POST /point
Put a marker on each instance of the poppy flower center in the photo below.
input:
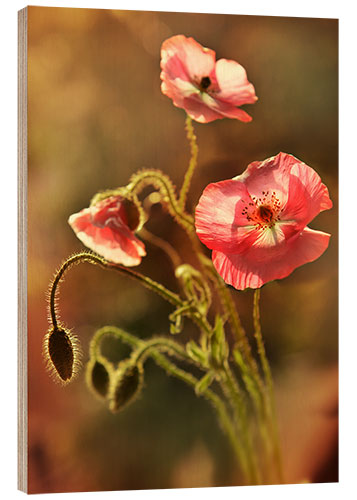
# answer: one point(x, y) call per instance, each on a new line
point(204, 83)
point(265, 213)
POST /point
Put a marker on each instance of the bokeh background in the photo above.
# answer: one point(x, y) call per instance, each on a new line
point(95, 116)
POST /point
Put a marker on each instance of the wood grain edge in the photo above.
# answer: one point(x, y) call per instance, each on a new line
point(22, 253)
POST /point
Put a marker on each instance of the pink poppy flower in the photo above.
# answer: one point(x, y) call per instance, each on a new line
point(107, 228)
point(256, 223)
point(207, 90)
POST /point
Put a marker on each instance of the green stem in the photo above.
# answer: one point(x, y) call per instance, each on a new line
point(218, 405)
point(160, 344)
point(230, 310)
point(234, 396)
point(242, 352)
point(163, 183)
point(260, 344)
point(192, 164)
point(163, 244)
point(271, 406)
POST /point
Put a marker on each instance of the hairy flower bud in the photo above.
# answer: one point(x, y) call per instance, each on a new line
point(98, 377)
point(126, 387)
point(61, 353)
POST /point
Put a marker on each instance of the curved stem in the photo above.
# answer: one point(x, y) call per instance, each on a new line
point(192, 164)
point(162, 182)
point(160, 344)
point(170, 296)
point(74, 259)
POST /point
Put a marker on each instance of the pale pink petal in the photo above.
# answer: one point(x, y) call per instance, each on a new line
point(271, 175)
point(308, 196)
point(204, 109)
point(219, 218)
point(224, 109)
point(198, 109)
point(199, 105)
point(232, 112)
point(233, 84)
point(180, 89)
point(246, 271)
point(173, 67)
point(190, 58)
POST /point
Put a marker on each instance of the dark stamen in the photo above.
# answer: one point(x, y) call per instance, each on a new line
point(205, 83)
point(265, 213)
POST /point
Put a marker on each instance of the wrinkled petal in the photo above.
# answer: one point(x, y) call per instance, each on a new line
point(220, 224)
point(224, 109)
point(199, 112)
point(205, 110)
point(271, 175)
point(185, 58)
point(308, 196)
point(103, 229)
point(233, 83)
point(243, 271)
point(256, 222)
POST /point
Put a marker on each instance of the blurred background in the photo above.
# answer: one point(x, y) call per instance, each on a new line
point(95, 116)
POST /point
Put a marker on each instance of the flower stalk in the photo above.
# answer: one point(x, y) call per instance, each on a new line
point(192, 164)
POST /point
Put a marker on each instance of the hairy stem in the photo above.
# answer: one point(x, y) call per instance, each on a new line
point(163, 244)
point(160, 344)
point(234, 396)
point(163, 183)
point(170, 296)
point(192, 164)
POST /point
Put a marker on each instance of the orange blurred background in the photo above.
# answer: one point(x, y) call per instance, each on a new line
point(96, 115)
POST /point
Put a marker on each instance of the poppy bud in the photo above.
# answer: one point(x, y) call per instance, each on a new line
point(61, 353)
point(107, 227)
point(98, 377)
point(126, 387)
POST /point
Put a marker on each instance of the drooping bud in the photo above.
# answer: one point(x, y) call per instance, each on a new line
point(126, 386)
point(61, 353)
point(98, 377)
